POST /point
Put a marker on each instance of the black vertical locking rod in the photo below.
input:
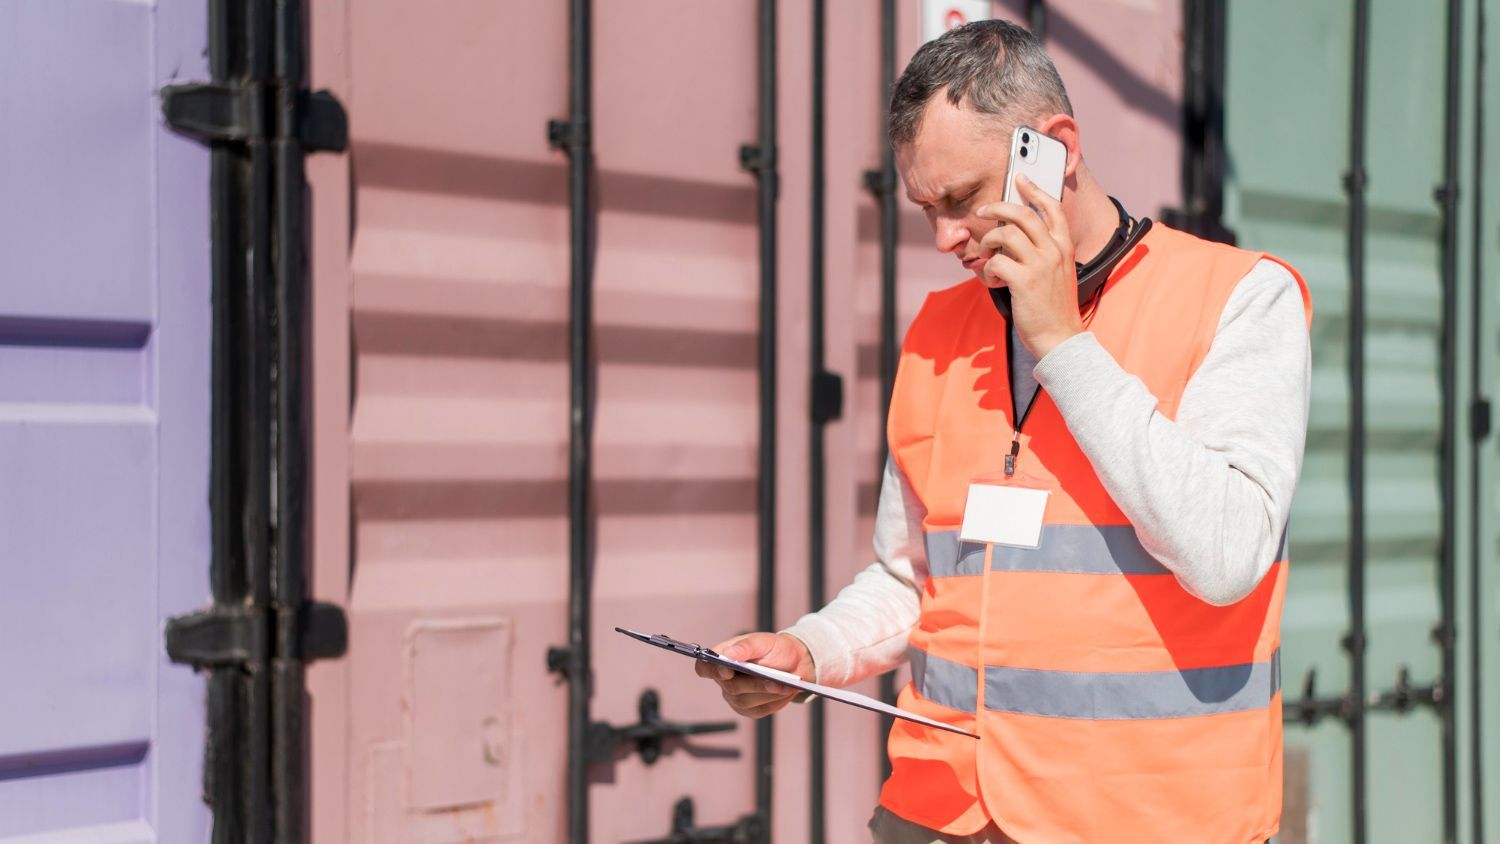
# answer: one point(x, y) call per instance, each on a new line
point(819, 397)
point(287, 674)
point(1354, 641)
point(261, 630)
point(256, 298)
point(1447, 196)
point(886, 195)
point(1036, 18)
point(224, 772)
point(889, 222)
point(1479, 432)
point(575, 136)
point(762, 160)
point(1204, 27)
point(229, 766)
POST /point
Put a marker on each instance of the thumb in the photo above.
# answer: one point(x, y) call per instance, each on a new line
point(747, 647)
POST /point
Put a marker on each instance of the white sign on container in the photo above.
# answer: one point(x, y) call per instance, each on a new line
point(939, 17)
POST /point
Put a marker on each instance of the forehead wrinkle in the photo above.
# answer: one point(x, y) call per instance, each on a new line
point(946, 192)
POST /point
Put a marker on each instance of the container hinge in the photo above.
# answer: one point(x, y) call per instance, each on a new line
point(758, 159)
point(1355, 182)
point(761, 161)
point(322, 123)
point(220, 636)
point(827, 400)
point(322, 633)
point(647, 735)
point(1445, 635)
point(569, 135)
point(230, 636)
point(1479, 419)
point(559, 660)
point(216, 112)
point(563, 662)
point(1353, 643)
point(880, 183)
point(1445, 195)
point(750, 829)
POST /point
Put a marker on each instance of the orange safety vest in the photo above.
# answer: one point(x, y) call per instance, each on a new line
point(1111, 704)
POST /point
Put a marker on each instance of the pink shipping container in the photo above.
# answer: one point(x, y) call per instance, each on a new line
point(440, 258)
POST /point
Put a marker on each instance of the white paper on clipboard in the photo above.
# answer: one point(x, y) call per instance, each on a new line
point(693, 651)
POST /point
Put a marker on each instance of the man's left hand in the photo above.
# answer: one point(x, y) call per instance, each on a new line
point(1033, 256)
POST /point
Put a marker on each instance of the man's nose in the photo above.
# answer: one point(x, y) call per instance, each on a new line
point(950, 235)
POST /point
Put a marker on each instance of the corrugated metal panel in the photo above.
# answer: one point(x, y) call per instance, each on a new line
point(441, 365)
point(457, 443)
point(1403, 348)
point(1287, 124)
point(104, 404)
point(676, 436)
point(456, 277)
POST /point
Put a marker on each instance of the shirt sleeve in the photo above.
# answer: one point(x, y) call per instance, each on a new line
point(863, 630)
point(1209, 494)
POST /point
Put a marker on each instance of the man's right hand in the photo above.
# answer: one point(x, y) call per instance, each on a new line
point(754, 697)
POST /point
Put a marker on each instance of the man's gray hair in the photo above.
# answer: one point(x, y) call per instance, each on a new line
point(993, 67)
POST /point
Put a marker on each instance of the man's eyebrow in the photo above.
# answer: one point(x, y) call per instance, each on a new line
point(947, 194)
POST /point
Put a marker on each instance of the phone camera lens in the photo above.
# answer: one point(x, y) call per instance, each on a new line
point(1025, 137)
point(1024, 152)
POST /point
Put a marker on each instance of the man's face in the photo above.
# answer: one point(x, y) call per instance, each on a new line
point(955, 166)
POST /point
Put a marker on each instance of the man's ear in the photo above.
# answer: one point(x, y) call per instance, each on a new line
point(1065, 129)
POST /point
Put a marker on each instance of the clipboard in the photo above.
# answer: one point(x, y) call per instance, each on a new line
point(699, 652)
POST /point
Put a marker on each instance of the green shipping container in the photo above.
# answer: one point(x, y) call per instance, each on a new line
point(1287, 98)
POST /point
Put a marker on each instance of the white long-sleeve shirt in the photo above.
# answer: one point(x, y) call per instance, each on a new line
point(1208, 493)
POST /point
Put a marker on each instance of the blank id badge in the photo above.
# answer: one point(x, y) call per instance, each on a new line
point(1005, 511)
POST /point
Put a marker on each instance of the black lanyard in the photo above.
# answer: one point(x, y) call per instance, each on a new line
point(1017, 413)
point(1092, 277)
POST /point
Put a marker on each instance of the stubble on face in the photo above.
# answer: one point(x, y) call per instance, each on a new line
point(955, 165)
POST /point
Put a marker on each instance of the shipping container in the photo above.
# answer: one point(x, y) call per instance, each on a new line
point(104, 448)
point(441, 251)
point(1348, 126)
point(601, 302)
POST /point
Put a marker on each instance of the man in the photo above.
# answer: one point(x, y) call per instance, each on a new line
point(1122, 674)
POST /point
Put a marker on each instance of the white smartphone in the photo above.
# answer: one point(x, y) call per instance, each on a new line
point(1041, 158)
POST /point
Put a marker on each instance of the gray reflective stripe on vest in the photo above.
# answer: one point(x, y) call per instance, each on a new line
point(1065, 549)
point(947, 556)
point(951, 684)
point(1133, 695)
point(1080, 549)
point(1102, 696)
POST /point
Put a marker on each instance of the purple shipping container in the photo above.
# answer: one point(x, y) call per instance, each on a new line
point(104, 336)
